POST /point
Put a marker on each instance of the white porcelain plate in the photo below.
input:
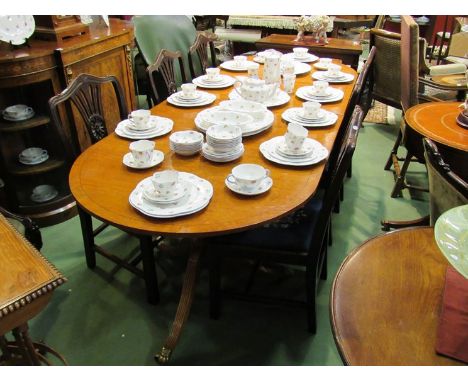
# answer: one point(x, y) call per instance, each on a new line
point(158, 157)
point(322, 76)
point(16, 29)
point(307, 58)
point(290, 115)
point(206, 99)
point(307, 93)
point(163, 127)
point(232, 65)
point(280, 98)
point(225, 82)
point(264, 186)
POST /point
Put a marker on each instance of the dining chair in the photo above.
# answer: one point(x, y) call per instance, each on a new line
point(446, 189)
point(162, 77)
point(299, 239)
point(156, 32)
point(203, 42)
point(84, 97)
point(25, 226)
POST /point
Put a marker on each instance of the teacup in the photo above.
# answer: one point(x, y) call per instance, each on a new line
point(311, 109)
point(252, 69)
point(165, 182)
point(43, 191)
point(295, 136)
point(289, 79)
point(333, 70)
point(33, 153)
point(320, 87)
point(142, 151)
point(189, 90)
point(140, 118)
point(325, 61)
point(287, 66)
point(300, 52)
point(17, 111)
point(212, 73)
point(248, 175)
point(239, 61)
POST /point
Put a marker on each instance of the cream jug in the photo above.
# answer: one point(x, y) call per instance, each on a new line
point(272, 69)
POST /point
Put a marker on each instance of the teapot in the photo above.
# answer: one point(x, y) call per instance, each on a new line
point(253, 89)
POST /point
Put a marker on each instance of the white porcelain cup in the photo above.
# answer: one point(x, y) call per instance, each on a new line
point(43, 191)
point(311, 109)
point(333, 70)
point(33, 153)
point(17, 111)
point(288, 66)
point(142, 151)
point(239, 61)
point(212, 73)
point(295, 136)
point(140, 118)
point(325, 61)
point(248, 175)
point(320, 87)
point(252, 69)
point(300, 52)
point(165, 182)
point(189, 90)
point(289, 79)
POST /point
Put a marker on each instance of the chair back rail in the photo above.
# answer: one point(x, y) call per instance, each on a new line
point(200, 49)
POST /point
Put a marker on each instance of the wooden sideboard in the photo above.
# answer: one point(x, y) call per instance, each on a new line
point(30, 76)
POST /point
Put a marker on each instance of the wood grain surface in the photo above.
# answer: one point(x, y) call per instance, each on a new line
point(386, 299)
point(101, 183)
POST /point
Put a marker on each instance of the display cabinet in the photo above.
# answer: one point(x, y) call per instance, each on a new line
point(31, 76)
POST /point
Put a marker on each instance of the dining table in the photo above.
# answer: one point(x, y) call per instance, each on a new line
point(101, 185)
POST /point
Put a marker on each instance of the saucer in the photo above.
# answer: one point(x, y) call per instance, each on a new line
point(306, 149)
point(32, 161)
point(264, 186)
point(23, 117)
point(158, 157)
point(41, 198)
point(152, 195)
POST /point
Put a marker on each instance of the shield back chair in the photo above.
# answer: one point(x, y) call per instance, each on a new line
point(156, 32)
point(446, 189)
point(199, 49)
point(84, 97)
point(300, 239)
point(161, 75)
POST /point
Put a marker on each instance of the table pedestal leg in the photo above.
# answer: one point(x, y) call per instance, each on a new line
point(185, 304)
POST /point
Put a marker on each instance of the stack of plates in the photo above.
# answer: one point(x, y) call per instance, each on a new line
point(187, 142)
point(199, 99)
point(311, 152)
point(204, 119)
point(156, 127)
point(280, 98)
point(340, 78)
point(307, 57)
point(309, 93)
point(220, 82)
point(224, 143)
point(193, 195)
point(296, 115)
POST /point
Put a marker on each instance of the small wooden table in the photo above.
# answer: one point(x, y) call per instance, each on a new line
point(26, 286)
point(101, 185)
point(386, 299)
point(437, 121)
point(346, 50)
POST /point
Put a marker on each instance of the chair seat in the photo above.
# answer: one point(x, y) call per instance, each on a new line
point(292, 233)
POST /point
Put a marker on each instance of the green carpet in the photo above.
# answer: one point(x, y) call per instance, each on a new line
point(95, 319)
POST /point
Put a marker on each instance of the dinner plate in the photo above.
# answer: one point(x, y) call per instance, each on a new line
point(451, 235)
point(158, 157)
point(16, 29)
point(307, 58)
point(206, 99)
point(280, 98)
point(329, 119)
point(306, 93)
point(264, 186)
point(320, 66)
point(322, 76)
point(226, 82)
point(232, 65)
point(164, 126)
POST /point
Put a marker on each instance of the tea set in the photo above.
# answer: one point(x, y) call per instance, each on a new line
point(16, 113)
point(237, 64)
point(223, 143)
point(143, 155)
point(214, 80)
point(249, 179)
point(320, 91)
point(43, 193)
point(142, 125)
point(333, 74)
point(186, 142)
point(310, 114)
point(189, 96)
point(33, 156)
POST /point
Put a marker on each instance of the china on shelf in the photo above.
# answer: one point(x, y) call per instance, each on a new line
point(15, 29)
point(43, 193)
point(17, 113)
point(171, 193)
point(143, 155)
point(33, 155)
point(249, 179)
point(186, 142)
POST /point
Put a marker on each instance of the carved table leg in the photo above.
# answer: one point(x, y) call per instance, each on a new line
point(185, 303)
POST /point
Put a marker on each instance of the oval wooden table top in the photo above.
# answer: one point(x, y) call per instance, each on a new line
point(437, 121)
point(386, 299)
point(101, 183)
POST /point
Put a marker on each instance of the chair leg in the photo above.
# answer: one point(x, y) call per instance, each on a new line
point(88, 237)
point(400, 181)
point(310, 297)
point(149, 269)
point(394, 151)
point(349, 173)
point(341, 192)
point(215, 285)
point(330, 234)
